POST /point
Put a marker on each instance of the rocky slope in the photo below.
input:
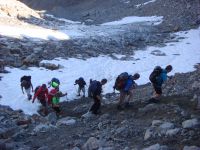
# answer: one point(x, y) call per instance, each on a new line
point(172, 124)
point(23, 51)
point(181, 14)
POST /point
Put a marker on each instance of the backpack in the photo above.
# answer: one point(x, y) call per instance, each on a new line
point(25, 81)
point(40, 95)
point(94, 86)
point(25, 78)
point(81, 82)
point(36, 89)
point(120, 81)
point(156, 72)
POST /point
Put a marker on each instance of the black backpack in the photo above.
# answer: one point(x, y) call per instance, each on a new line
point(120, 81)
point(81, 82)
point(156, 72)
point(25, 78)
point(94, 86)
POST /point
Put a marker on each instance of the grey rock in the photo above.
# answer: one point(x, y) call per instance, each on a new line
point(166, 126)
point(52, 118)
point(191, 148)
point(192, 123)
point(172, 132)
point(156, 122)
point(156, 147)
point(43, 148)
point(75, 148)
point(91, 144)
point(49, 66)
point(148, 134)
point(66, 121)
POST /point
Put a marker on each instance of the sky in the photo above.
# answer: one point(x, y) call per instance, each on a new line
point(182, 55)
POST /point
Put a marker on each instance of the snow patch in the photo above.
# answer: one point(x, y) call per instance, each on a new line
point(36, 33)
point(139, 5)
point(135, 19)
point(101, 67)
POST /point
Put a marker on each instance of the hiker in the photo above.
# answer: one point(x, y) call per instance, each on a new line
point(157, 78)
point(81, 86)
point(27, 85)
point(125, 84)
point(41, 93)
point(54, 99)
point(95, 90)
point(54, 83)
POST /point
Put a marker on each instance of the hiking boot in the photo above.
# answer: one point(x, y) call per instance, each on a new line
point(119, 107)
point(29, 97)
point(127, 105)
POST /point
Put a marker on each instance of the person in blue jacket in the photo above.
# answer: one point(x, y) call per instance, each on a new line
point(157, 84)
point(126, 93)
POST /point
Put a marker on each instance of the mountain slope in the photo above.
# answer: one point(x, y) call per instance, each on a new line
point(181, 13)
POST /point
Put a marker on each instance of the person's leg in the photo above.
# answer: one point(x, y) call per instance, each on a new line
point(83, 90)
point(79, 91)
point(121, 99)
point(96, 106)
point(157, 94)
point(129, 98)
point(57, 110)
point(28, 92)
point(44, 106)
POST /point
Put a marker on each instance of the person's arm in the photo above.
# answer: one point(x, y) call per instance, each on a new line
point(76, 82)
point(134, 84)
point(36, 94)
point(46, 94)
point(22, 89)
point(32, 87)
point(63, 94)
point(164, 77)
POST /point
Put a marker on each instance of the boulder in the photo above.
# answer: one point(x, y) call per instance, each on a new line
point(192, 123)
point(91, 144)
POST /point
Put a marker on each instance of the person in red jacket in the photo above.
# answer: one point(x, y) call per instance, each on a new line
point(42, 95)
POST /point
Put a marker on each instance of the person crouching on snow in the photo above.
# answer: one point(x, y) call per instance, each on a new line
point(54, 99)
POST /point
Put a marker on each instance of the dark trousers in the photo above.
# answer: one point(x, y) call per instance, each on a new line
point(57, 109)
point(96, 106)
